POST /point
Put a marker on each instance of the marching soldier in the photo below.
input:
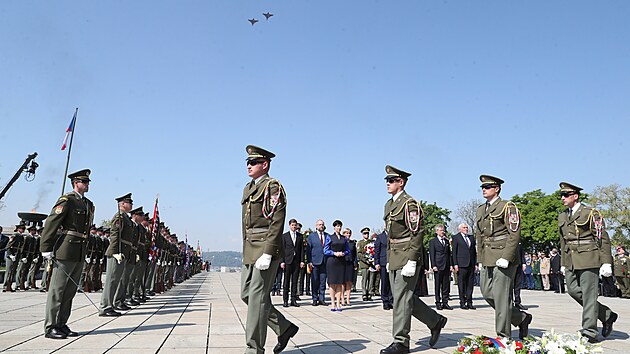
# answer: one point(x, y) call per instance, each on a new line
point(263, 214)
point(118, 252)
point(74, 213)
point(586, 255)
point(498, 236)
point(13, 256)
point(403, 223)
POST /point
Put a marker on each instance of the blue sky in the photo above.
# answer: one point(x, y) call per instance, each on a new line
point(170, 93)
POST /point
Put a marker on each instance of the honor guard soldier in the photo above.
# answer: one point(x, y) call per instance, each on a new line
point(73, 213)
point(97, 260)
point(264, 210)
point(119, 250)
point(28, 250)
point(85, 285)
point(13, 256)
point(37, 260)
point(365, 247)
point(622, 275)
point(586, 255)
point(403, 223)
point(131, 270)
point(498, 236)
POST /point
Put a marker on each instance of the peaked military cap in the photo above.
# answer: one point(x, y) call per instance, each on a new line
point(32, 227)
point(137, 211)
point(365, 229)
point(20, 226)
point(146, 216)
point(567, 187)
point(93, 227)
point(487, 180)
point(125, 198)
point(81, 175)
point(395, 172)
point(255, 152)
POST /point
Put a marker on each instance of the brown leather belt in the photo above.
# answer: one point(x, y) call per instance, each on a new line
point(399, 240)
point(75, 234)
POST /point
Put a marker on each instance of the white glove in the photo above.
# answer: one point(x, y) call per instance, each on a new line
point(24, 260)
point(502, 263)
point(479, 265)
point(47, 255)
point(170, 262)
point(178, 263)
point(119, 257)
point(137, 258)
point(605, 270)
point(101, 261)
point(563, 269)
point(87, 260)
point(263, 262)
point(387, 266)
point(409, 270)
point(12, 258)
point(157, 262)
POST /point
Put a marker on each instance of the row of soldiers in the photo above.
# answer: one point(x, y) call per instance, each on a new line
point(23, 259)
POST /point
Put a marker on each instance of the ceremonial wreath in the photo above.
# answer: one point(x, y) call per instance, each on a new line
point(548, 343)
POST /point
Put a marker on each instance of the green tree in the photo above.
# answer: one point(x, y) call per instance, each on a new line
point(614, 203)
point(433, 215)
point(539, 219)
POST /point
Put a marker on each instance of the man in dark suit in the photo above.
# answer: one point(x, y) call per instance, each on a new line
point(317, 262)
point(440, 254)
point(557, 279)
point(465, 264)
point(292, 262)
point(380, 262)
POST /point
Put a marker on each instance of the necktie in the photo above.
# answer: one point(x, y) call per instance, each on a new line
point(442, 241)
point(321, 239)
point(570, 212)
point(467, 240)
point(487, 206)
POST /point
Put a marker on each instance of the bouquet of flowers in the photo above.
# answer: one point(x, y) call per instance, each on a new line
point(549, 343)
point(368, 251)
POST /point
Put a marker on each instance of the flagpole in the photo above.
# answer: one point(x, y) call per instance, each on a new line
point(74, 119)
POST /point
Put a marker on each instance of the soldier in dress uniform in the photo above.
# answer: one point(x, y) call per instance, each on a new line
point(118, 251)
point(366, 264)
point(498, 235)
point(622, 275)
point(263, 214)
point(13, 256)
point(74, 213)
point(97, 259)
point(123, 299)
point(85, 283)
point(586, 255)
point(28, 251)
point(403, 223)
point(37, 260)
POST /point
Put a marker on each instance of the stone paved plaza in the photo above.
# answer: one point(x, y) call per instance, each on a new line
point(205, 315)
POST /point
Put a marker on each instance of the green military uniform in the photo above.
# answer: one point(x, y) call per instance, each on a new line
point(135, 292)
point(85, 284)
point(24, 263)
point(74, 214)
point(263, 215)
point(120, 242)
point(622, 275)
point(120, 299)
point(585, 248)
point(36, 264)
point(13, 256)
point(498, 235)
point(365, 263)
point(97, 258)
point(403, 218)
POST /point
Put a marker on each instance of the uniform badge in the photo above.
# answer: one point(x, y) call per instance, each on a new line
point(514, 219)
point(413, 216)
point(273, 200)
point(59, 209)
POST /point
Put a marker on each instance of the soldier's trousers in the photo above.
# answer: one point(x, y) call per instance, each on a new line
point(61, 291)
point(121, 291)
point(22, 272)
point(45, 274)
point(113, 275)
point(84, 272)
point(149, 282)
point(624, 285)
point(407, 305)
point(10, 271)
point(497, 286)
point(255, 292)
point(136, 288)
point(367, 282)
point(582, 287)
point(32, 273)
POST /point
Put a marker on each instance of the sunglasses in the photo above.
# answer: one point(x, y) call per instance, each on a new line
point(392, 180)
point(365, 233)
point(489, 186)
point(566, 194)
point(253, 162)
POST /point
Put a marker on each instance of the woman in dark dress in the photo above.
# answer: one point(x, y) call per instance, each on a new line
point(336, 248)
point(351, 264)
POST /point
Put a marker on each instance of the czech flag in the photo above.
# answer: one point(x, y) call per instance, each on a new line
point(68, 131)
